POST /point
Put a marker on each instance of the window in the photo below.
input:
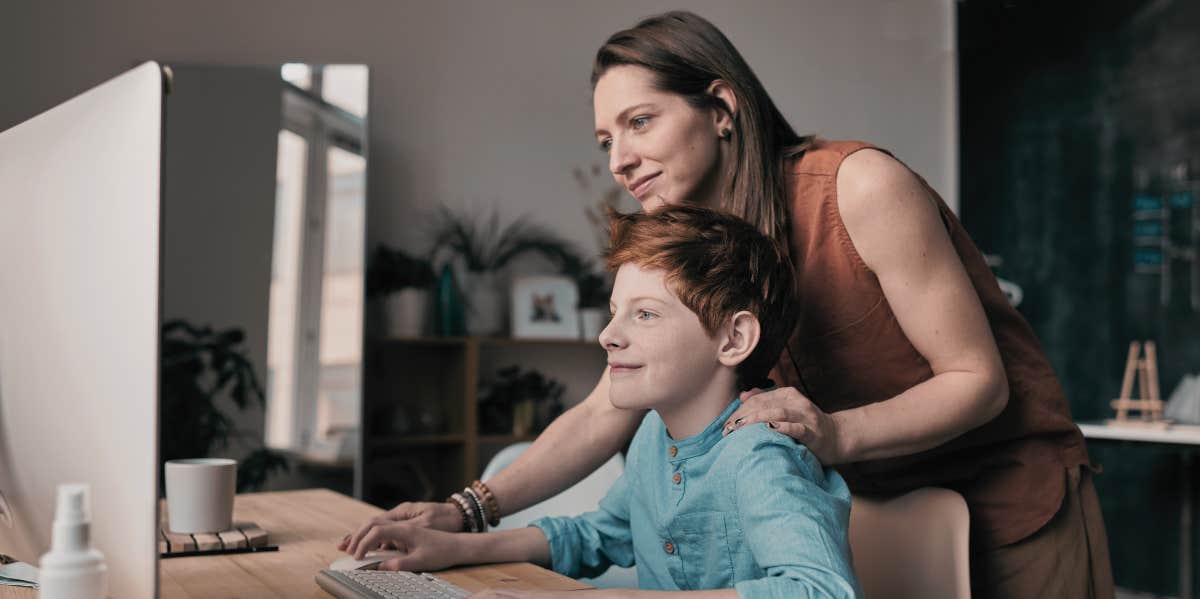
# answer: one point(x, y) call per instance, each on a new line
point(315, 323)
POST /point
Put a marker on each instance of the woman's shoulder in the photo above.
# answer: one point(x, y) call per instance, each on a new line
point(825, 157)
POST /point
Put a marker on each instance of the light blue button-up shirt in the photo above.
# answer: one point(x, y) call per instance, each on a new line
point(753, 510)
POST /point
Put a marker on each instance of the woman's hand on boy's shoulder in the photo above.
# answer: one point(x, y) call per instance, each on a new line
point(788, 411)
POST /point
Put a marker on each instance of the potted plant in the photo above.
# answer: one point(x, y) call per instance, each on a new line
point(521, 401)
point(403, 282)
point(485, 248)
point(198, 367)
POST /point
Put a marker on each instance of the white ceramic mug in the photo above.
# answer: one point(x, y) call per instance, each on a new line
point(200, 494)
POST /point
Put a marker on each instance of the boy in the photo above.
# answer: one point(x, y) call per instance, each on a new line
point(702, 305)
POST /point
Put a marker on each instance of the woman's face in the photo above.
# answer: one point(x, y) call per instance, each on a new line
point(659, 147)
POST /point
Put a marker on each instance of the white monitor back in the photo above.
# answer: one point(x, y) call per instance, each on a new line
point(79, 322)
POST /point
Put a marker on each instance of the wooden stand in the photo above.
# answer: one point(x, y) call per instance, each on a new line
point(1149, 407)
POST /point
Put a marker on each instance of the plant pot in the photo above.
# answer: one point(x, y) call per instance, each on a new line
point(487, 303)
point(407, 312)
point(591, 322)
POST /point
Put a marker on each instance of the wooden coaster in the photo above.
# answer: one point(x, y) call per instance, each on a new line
point(243, 535)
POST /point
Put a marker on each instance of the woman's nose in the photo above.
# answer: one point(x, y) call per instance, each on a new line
point(621, 158)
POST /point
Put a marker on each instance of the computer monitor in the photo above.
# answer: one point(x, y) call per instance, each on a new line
point(79, 323)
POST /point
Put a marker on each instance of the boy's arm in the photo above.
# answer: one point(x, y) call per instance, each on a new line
point(796, 524)
point(423, 549)
point(518, 545)
point(586, 545)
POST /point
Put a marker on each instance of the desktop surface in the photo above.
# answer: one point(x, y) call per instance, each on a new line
point(307, 525)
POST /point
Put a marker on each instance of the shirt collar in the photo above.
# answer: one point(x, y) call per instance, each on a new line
point(703, 441)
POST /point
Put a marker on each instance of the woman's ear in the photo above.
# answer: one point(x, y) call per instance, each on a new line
point(723, 116)
point(741, 337)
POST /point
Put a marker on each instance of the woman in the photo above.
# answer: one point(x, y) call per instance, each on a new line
point(907, 368)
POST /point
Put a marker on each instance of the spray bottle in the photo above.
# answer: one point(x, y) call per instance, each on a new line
point(72, 569)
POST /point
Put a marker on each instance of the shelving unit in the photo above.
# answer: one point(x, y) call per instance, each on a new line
point(421, 436)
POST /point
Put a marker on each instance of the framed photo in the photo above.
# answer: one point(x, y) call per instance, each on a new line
point(545, 307)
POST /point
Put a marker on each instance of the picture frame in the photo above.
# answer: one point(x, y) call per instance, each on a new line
point(545, 307)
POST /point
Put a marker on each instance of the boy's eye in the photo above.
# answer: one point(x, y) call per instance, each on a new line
point(605, 144)
point(640, 122)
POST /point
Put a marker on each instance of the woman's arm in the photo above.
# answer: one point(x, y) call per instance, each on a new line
point(573, 446)
point(897, 230)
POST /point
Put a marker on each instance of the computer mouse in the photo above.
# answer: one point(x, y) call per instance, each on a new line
point(370, 562)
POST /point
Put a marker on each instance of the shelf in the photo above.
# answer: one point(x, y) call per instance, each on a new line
point(416, 440)
point(505, 439)
point(404, 373)
point(513, 341)
point(452, 341)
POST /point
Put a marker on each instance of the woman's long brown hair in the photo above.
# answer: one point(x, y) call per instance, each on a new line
point(687, 54)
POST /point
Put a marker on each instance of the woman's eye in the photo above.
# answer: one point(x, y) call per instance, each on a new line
point(640, 122)
point(644, 315)
point(605, 145)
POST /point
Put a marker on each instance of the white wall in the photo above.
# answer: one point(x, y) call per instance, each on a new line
point(474, 103)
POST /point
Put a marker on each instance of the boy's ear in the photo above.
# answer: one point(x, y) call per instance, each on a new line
point(741, 337)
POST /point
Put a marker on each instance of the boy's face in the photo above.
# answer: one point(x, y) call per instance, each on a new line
point(658, 352)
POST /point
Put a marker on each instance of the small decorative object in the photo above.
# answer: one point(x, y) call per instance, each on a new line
point(1149, 406)
point(487, 248)
point(1184, 404)
point(404, 283)
point(520, 402)
point(545, 307)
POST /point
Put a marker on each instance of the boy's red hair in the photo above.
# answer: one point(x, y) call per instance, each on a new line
point(717, 265)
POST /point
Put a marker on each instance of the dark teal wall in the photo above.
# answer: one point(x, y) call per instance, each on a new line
point(1061, 104)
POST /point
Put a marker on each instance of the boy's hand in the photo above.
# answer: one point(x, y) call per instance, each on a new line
point(439, 516)
point(423, 549)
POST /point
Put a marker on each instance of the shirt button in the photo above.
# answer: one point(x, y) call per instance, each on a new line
point(678, 477)
point(674, 450)
point(669, 548)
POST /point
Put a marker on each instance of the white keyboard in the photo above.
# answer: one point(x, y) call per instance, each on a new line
point(381, 584)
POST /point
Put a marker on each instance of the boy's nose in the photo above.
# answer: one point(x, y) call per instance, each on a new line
point(610, 337)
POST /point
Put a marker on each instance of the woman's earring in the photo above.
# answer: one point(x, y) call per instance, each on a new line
point(726, 133)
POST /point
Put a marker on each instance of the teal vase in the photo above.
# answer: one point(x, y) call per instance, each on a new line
point(451, 321)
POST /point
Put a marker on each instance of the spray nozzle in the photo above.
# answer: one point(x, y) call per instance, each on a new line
point(72, 504)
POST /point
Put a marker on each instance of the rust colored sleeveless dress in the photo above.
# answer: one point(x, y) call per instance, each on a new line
point(848, 350)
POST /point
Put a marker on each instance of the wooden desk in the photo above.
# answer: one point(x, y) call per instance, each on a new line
point(1187, 439)
point(306, 525)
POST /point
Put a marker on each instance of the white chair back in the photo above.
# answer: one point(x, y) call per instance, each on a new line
point(912, 546)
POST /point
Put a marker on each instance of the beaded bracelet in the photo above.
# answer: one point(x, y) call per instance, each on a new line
point(480, 520)
point(465, 508)
point(489, 498)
